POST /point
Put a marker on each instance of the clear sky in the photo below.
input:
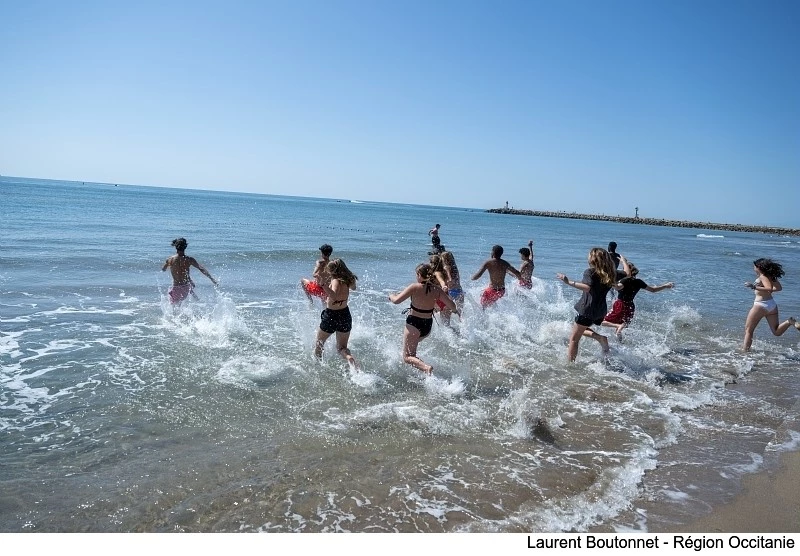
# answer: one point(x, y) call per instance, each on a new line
point(687, 109)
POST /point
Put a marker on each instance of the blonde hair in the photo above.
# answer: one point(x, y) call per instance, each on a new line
point(337, 269)
point(449, 262)
point(601, 262)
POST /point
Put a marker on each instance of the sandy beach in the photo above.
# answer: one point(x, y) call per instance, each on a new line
point(769, 503)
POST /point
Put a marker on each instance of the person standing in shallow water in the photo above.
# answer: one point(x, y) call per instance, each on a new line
point(597, 280)
point(767, 274)
point(179, 265)
point(436, 241)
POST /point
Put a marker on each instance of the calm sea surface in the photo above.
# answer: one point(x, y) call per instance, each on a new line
point(117, 414)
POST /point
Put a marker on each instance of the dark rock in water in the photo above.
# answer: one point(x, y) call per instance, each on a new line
point(541, 430)
point(673, 378)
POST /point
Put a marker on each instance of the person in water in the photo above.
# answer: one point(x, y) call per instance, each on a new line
point(440, 279)
point(179, 265)
point(313, 288)
point(623, 309)
point(424, 294)
point(497, 267)
point(612, 250)
point(766, 283)
point(453, 278)
point(526, 267)
point(337, 281)
point(597, 280)
point(435, 239)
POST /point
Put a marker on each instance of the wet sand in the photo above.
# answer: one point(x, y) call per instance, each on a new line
point(769, 503)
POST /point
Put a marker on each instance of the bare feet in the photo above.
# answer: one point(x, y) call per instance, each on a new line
point(619, 332)
point(428, 369)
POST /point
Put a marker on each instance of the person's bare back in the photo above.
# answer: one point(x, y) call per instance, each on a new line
point(179, 266)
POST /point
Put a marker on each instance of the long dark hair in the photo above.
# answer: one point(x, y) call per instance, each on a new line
point(337, 269)
point(769, 268)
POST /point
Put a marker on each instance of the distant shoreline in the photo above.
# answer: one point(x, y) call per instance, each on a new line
point(653, 221)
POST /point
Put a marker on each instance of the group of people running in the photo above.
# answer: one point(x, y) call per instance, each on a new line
point(437, 288)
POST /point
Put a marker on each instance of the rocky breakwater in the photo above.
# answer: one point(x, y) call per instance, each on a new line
point(653, 221)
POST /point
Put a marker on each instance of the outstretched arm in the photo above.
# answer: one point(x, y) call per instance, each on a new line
point(511, 270)
point(656, 289)
point(203, 270)
point(448, 302)
point(480, 272)
point(402, 296)
point(580, 285)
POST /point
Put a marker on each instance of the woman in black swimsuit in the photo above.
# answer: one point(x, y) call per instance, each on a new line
point(337, 281)
point(423, 293)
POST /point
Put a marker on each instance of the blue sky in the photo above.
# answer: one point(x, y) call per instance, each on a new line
point(686, 109)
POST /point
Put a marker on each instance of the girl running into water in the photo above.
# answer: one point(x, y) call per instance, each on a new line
point(337, 281)
point(597, 280)
point(622, 311)
point(424, 294)
point(766, 283)
point(440, 278)
point(453, 279)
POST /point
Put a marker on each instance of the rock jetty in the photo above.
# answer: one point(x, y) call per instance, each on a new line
point(653, 221)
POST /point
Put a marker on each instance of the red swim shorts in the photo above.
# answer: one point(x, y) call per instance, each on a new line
point(621, 312)
point(313, 288)
point(490, 295)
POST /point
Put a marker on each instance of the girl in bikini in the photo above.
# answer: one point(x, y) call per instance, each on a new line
point(766, 283)
point(600, 277)
point(337, 281)
point(424, 294)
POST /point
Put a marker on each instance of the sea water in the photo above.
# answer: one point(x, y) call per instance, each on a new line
point(118, 413)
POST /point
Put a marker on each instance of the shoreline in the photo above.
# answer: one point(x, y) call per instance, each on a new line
point(652, 221)
point(768, 503)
